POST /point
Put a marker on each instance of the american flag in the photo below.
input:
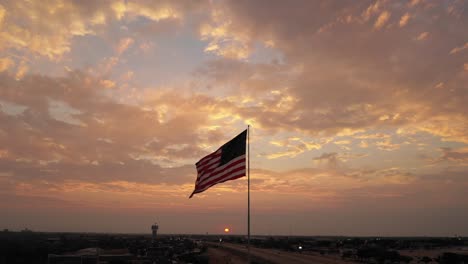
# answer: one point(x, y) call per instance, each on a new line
point(226, 163)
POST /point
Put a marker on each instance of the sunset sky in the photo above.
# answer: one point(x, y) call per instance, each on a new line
point(358, 114)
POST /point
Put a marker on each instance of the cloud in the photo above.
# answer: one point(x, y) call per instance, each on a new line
point(459, 156)
point(387, 145)
point(106, 65)
point(147, 47)
point(342, 142)
point(21, 70)
point(330, 158)
point(355, 93)
point(404, 19)
point(294, 146)
point(439, 85)
point(108, 84)
point(165, 11)
point(336, 161)
point(6, 63)
point(450, 127)
point(70, 129)
point(363, 144)
point(422, 36)
point(123, 45)
point(391, 175)
point(459, 49)
point(372, 136)
point(224, 40)
point(371, 10)
point(52, 30)
point(414, 2)
point(2, 14)
point(382, 20)
point(47, 29)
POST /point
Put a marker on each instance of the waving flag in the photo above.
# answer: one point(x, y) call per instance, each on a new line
point(226, 163)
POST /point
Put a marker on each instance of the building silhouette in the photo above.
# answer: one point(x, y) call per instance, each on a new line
point(154, 229)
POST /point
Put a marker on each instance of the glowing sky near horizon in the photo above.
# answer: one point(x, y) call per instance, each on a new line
point(358, 111)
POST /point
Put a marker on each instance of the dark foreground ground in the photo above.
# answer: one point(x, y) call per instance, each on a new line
point(54, 248)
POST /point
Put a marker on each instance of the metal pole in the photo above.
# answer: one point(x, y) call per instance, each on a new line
point(248, 194)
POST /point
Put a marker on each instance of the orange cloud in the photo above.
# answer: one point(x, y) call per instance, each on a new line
point(404, 19)
point(294, 146)
point(372, 10)
point(225, 39)
point(107, 84)
point(387, 145)
point(123, 45)
point(47, 29)
point(21, 70)
point(422, 36)
point(459, 49)
point(6, 63)
point(382, 19)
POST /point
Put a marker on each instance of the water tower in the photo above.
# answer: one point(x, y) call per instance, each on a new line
point(154, 229)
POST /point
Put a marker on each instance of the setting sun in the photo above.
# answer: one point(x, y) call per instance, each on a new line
point(226, 230)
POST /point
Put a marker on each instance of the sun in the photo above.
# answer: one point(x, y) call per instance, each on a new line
point(226, 230)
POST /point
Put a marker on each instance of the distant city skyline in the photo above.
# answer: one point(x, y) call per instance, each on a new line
point(358, 115)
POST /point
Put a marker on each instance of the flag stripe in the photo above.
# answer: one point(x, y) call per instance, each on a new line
point(239, 167)
point(215, 169)
point(231, 177)
point(207, 165)
point(207, 170)
point(220, 177)
point(209, 157)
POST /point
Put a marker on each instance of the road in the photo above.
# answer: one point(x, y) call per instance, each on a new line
point(223, 256)
point(281, 257)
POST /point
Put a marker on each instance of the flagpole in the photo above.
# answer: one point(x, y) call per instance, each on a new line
point(248, 194)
